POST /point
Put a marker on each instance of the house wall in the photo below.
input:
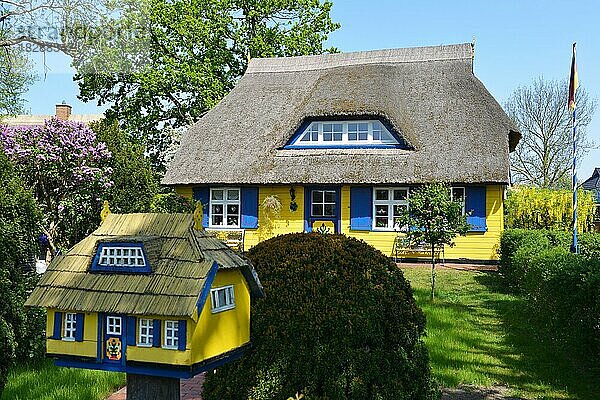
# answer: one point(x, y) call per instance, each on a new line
point(475, 246)
point(87, 348)
point(221, 332)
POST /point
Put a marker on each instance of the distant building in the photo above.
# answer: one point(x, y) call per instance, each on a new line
point(593, 184)
point(63, 112)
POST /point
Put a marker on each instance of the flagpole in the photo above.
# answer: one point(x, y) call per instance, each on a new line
point(575, 247)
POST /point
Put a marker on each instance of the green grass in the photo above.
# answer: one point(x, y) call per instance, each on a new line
point(478, 335)
point(44, 381)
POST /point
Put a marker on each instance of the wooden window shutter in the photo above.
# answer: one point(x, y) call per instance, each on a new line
point(249, 207)
point(361, 208)
point(475, 204)
point(131, 321)
point(202, 194)
point(181, 334)
point(79, 325)
point(156, 333)
point(57, 332)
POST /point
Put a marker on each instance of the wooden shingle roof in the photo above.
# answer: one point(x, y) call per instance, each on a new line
point(180, 257)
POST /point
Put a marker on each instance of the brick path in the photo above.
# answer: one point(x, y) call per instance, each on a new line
point(190, 389)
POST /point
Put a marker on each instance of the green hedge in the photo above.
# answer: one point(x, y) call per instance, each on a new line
point(562, 289)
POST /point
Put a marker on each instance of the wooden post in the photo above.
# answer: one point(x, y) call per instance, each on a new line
point(143, 387)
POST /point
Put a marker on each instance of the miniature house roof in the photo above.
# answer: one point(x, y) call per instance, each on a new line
point(182, 262)
point(455, 130)
point(593, 183)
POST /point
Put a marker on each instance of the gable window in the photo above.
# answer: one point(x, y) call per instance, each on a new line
point(146, 332)
point(457, 194)
point(345, 134)
point(222, 298)
point(70, 327)
point(113, 325)
point(388, 206)
point(122, 256)
point(171, 335)
point(323, 203)
point(225, 207)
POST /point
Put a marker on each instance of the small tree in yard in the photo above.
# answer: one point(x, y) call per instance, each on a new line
point(434, 219)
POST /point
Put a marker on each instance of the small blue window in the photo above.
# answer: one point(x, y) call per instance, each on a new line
point(121, 257)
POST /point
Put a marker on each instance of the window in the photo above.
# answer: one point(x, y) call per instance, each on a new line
point(323, 203)
point(345, 133)
point(225, 207)
point(113, 326)
point(222, 298)
point(70, 327)
point(146, 332)
point(457, 194)
point(388, 206)
point(171, 335)
point(118, 256)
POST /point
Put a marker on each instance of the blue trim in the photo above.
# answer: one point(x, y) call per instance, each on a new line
point(57, 331)
point(131, 330)
point(79, 324)
point(156, 332)
point(350, 146)
point(361, 208)
point(202, 194)
point(100, 335)
point(249, 207)
point(164, 370)
point(181, 334)
point(309, 219)
point(126, 269)
point(210, 277)
point(475, 199)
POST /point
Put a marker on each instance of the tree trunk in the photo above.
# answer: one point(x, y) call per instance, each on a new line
point(143, 387)
point(432, 271)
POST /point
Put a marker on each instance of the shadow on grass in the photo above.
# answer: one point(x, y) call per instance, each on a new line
point(540, 359)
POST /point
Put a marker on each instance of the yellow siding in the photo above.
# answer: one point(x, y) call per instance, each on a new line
point(87, 348)
point(185, 191)
point(224, 331)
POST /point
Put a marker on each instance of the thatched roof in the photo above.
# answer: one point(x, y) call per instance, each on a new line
point(180, 257)
point(428, 94)
point(593, 183)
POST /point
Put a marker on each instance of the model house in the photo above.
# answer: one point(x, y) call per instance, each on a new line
point(147, 294)
point(337, 142)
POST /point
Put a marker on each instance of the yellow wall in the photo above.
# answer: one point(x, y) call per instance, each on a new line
point(87, 348)
point(158, 354)
point(226, 330)
point(475, 246)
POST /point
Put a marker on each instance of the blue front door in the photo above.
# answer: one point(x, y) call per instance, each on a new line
point(322, 209)
point(114, 345)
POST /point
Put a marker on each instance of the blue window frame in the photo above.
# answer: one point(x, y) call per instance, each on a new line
point(128, 257)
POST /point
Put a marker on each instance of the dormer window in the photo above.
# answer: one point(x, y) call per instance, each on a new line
point(121, 257)
point(341, 134)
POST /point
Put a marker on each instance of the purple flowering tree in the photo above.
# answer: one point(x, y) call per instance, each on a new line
point(67, 171)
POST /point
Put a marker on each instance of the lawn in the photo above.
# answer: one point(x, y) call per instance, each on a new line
point(44, 381)
point(480, 336)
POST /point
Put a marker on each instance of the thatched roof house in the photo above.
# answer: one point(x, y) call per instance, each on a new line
point(454, 129)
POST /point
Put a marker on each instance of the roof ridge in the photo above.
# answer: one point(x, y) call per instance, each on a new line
point(462, 51)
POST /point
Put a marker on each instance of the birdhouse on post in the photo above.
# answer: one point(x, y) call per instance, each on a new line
point(148, 295)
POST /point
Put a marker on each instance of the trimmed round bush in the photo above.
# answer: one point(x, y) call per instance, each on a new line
point(338, 321)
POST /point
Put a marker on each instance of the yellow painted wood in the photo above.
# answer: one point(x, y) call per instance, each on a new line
point(160, 355)
point(220, 332)
point(81, 349)
point(185, 191)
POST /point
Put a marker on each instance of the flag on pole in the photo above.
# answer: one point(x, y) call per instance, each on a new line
point(573, 82)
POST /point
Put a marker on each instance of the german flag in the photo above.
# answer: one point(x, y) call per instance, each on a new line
point(573, 82)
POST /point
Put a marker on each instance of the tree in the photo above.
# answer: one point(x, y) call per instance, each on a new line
point(172, 61)
point(19, 217)
point(338, 321)
point(543, 156)
point(16, 79)
point(541, 208)
point(66, 169)
point(434, 219)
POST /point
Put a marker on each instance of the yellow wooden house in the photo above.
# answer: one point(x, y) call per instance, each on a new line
point(336, 142)
point(147, 294)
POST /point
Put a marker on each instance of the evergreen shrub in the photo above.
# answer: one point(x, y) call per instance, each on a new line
point(339, 321)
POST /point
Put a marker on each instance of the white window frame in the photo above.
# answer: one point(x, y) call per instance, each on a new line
point(317, 127)
point(171, 333)
point(229, 299)
point(69, 327)
point(390, 203)
point(111, 325)
point(224, 203)
point(145, 332)
point(464, 199)
point(122, 256)
point(324, 203)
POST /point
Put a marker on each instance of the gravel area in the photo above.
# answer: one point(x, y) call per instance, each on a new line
point(477, 393)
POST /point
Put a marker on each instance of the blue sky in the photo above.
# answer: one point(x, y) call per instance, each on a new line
point(516, 41)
